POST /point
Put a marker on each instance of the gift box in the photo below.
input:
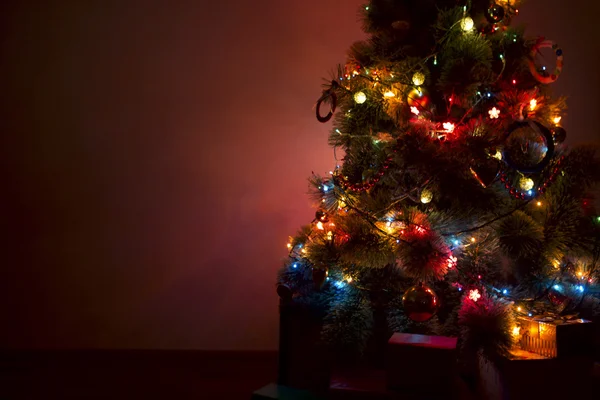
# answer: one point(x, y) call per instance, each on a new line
point(526, 375)
point(417, 360)
point(556, 337)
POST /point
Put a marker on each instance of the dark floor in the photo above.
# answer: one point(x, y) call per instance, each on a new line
point(134, 374)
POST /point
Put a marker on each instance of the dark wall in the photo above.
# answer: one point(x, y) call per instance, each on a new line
point(153, 160)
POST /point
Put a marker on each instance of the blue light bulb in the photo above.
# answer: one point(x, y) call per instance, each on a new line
point(295, 265)
point(556, 287)
point(505, 291)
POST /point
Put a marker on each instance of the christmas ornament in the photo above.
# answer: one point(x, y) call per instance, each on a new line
point(360, 97)
point(559, 134)
point(284, 292)
point(319, 276)
point(420, 303)
point(543, 76)
point(495, 13)
point(466, 24)
point(330, 97)
point(418, 97)
point(426, 196)
point(528, 147)
point(418, 78)
point(526, 183)
point(485, 171)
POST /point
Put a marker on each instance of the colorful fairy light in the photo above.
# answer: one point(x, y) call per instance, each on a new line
point(448, 126)
point(533, 104)
point(474, 295)
point(494, 113)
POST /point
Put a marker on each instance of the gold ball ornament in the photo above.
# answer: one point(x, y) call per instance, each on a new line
point(467, 24)
point(418, 97)
point(426, 196)
point(420, 303)
point(360, 97)
point(418, 78)
point(526, 183)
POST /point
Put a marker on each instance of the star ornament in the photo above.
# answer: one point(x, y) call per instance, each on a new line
point(474, 295)
point(494, 113)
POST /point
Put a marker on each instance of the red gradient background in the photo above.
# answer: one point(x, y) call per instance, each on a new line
point(154, 157)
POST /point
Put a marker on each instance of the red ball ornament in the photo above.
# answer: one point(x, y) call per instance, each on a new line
point(418, 97)
point(420, 303)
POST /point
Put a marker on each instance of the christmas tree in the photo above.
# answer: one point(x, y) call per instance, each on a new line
point(456, 208)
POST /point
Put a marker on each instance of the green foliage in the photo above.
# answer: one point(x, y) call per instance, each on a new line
point(466, 65)
point(519, 235)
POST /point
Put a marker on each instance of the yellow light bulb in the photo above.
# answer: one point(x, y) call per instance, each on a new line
point(539, 204)
point(360, 97)
point(418, 78)
point(329, 235)
point(556, 120)
point(516, 330)
point(289, 245)
point(389, 94)
point(303, 251)
point(519, 309)
point(349, 279)
point(320, 225)
point(498, 155)
point(473, 240)
point(526, 183)
point(467, 24)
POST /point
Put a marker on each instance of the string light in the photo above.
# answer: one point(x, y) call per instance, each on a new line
point(329, 235)
point(448, 126)
point(580, 288)
point(320, 225)
point(519, 309)
point(516, 330)
point(414, 110)
point(539, 204)
point(505, 291)
point(474, 295)
point(295, 265)
point(389, 94)
point(556, 120)
point(473, 240)
point(360, 97)
point(289, 245)
point(533, 104)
